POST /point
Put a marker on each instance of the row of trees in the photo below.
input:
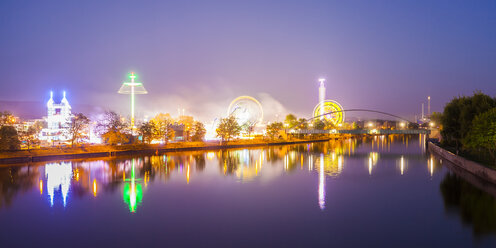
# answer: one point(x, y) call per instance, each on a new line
point(161, 128)
point(469, 124)
point(112, 128)
point(228, 127)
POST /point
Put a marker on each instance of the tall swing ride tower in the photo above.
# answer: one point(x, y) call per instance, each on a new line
point(132, 88)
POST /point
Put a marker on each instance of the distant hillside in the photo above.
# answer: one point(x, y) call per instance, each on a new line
point(36, 110)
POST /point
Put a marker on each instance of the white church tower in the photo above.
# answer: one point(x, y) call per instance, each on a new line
point(58, 120)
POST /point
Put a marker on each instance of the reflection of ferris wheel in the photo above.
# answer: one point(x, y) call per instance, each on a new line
point(247, 110)
point(330, 106)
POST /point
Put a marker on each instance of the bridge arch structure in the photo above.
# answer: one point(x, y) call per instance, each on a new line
point(359, 110)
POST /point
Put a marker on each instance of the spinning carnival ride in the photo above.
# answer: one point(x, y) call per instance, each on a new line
point(328, 106)
point(336, 114)
point(247, 111)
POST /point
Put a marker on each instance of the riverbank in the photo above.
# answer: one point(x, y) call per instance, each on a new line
point(94, 151)
point(472, 167)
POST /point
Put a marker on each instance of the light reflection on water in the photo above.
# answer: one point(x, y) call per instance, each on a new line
point(327, 159)
point(326, 166)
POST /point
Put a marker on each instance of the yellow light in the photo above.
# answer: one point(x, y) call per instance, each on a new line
point(210, 155)
point(187, 174)
point(432, 166)
point(370, 165)
point(94, 187)
point(41, 187)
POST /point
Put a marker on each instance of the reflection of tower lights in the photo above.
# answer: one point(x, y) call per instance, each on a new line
point(402, 165)
point(310, 163)
point(321, 183)
point(41, 187)
point(133, 192)
point(133, 196)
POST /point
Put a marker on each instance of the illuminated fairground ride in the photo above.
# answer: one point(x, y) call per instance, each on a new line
point(247, 111)
point(132, 88)
point(335, 109)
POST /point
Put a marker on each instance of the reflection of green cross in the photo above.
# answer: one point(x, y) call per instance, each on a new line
point(133, 193)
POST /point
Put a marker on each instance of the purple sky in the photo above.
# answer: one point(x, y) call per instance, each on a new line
point(383, 55)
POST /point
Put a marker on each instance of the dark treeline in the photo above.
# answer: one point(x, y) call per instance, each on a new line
point(468, 127)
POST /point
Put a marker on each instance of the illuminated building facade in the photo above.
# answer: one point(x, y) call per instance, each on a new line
point(58, 120)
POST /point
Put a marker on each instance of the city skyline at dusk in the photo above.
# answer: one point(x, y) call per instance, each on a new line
point(200, 56)
point(362, 123)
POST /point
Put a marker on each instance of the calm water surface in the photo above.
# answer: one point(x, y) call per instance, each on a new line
point(383, 191)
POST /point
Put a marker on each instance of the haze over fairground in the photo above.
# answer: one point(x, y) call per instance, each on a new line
point(200, 55)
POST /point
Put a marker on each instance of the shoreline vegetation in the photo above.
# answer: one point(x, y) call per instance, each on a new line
point(468, 128)
point(93, 151)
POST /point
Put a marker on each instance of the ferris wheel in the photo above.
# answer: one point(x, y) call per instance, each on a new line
point(247, 110)
point(335, 109)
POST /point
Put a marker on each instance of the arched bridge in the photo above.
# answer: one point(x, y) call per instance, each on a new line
point(361, 110)
point(363, 131)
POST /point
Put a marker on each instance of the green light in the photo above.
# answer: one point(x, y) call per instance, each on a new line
point(133, 192)
point(132, 88)
point(132, 76)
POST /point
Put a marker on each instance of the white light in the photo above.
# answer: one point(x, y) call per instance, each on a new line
point(402, 165)
point(58, 177)
point(321, 183)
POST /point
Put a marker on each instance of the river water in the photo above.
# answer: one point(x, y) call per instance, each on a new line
point(370, 192)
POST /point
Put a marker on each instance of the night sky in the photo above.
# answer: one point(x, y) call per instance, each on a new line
point(199, 55)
